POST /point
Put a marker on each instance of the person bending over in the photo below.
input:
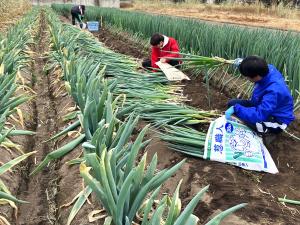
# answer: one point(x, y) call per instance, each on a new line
point(270, 109)
point(77, 13)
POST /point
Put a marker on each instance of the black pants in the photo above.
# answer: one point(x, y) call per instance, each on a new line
point(263, 127)
point(75, 16)
point(147, 63)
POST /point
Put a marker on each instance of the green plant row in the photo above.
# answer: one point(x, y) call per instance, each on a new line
point(14, 59)
point(280, 48)
point(111, 167)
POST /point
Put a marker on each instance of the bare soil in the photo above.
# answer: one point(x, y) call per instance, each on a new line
point(11, 13)
point(58, 183)
point(65, 182)
point(228, 185)
point(238, 15)
point(40, 190)
point(122, 44)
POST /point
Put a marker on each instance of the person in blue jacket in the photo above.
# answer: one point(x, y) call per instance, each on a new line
point(270, 109)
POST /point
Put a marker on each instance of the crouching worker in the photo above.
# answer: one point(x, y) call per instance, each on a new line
point(270, 109)
point(163, 47)
point(77, 13)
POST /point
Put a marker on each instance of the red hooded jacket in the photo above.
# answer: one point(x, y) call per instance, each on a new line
point(158, 53)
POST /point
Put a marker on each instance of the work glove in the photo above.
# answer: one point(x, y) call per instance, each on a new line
point(237, 62)
point(229, 112)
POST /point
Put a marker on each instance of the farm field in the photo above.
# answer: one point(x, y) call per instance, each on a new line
point(256, 15)
point(82, 128)
point(12, 12)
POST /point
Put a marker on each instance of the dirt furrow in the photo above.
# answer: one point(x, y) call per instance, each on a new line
point(40, 190)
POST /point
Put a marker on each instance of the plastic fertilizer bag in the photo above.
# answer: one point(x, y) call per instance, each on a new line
point(236, 144)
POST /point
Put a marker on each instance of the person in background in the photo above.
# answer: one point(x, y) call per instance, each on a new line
point(270, 109)
point(163, 47)
point(77, 12)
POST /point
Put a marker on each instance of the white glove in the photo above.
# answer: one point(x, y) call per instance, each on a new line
point(237, 62)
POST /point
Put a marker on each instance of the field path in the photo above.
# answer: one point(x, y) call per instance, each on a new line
point(237, 17)
point(40, 189)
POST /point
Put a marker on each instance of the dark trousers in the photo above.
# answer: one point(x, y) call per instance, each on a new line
point(75, 16)
point(147, 63)
point(266, 129)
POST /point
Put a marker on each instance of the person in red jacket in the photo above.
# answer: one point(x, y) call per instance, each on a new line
point(163, 48)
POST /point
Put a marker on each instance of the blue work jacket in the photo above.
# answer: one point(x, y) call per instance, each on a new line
point(271, 98)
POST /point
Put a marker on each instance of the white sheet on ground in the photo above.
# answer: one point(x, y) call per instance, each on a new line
point(171, 72)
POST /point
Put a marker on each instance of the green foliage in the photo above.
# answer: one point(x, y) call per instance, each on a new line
point(279, 48)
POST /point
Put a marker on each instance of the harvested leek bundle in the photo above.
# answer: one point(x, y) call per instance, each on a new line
point(173, 114)
point(185, 140)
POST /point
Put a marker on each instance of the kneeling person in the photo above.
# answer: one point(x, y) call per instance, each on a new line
point(270, 109)
point(163, 47)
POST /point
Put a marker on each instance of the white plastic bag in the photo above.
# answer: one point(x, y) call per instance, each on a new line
point(236, 144)
point(83, 26)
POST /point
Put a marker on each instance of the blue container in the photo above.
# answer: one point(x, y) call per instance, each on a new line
point(93, 25)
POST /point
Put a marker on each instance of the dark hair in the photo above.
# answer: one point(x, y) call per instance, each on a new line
point(83, 7)
point(156, 39)
point(252, 66)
